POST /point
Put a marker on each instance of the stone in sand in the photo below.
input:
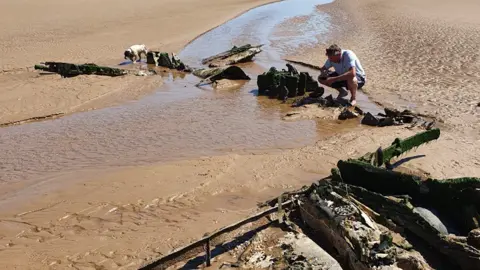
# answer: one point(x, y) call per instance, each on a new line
point(370, 120)
point(348, 113)
point(432, 219)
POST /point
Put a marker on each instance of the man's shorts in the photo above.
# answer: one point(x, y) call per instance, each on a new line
point(340, 84)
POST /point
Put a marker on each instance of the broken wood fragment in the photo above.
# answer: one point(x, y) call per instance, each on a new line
point(162, 59)
point(398, 147)
point(233, 56)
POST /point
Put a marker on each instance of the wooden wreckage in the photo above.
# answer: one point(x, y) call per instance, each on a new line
point(284, 84)
point(370, 216)
point(162, 59)
point(233, 56)
point(221, 66)
point(299, 88)
point(67, 70)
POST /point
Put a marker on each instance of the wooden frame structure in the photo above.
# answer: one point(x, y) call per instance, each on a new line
point(205, 242)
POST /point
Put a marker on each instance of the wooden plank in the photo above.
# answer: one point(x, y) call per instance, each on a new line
point(208, 254)
point(178, 252)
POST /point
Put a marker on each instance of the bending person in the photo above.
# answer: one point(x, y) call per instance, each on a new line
point(348, 73)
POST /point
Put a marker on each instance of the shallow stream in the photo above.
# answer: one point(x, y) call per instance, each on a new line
point(180, 120)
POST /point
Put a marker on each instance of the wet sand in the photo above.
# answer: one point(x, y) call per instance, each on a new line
point(86, 32)
point(121, 217)
point(418, 55)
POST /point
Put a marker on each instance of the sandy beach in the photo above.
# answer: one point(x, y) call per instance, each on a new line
point(417, 54)
point(91, 32)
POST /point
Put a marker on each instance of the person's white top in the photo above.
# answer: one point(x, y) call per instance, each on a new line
point(348, 59)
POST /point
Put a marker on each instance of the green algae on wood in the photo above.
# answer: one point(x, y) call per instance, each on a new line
point(399, 146)
point(72, 70)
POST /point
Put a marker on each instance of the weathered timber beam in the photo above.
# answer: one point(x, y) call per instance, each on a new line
point(304, 64)
point(70, 70)
point(377, 179)
point(399, 146)
point(231, 52)
point(205, 240)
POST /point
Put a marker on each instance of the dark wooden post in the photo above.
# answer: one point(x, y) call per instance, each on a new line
point(207, 251)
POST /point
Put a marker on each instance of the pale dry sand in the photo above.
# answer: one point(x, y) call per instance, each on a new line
point(120, 218)
point(91, 31)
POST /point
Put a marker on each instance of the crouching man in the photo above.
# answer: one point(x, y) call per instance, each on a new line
point(348, 73)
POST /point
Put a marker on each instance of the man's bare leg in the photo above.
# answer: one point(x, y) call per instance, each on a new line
point(353, 86)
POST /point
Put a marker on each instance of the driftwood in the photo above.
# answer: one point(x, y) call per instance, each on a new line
point(72, 70)
point(233, 56)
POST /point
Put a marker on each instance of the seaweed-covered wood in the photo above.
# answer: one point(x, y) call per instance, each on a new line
point(456, 200)
point(162, 59)
point(401, 211)
point(360, 242)
point(72, 70)
point(273, 83)
point(377, 179)
point(399, 146)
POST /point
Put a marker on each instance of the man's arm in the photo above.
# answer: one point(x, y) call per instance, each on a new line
point(323, 71)
point(345, 76)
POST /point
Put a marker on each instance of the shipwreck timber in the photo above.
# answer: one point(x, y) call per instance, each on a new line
point(162, 59)
point(72, 70)
point(366, 213)
point(233, 56)
point(443, 213)
point(284, 84)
